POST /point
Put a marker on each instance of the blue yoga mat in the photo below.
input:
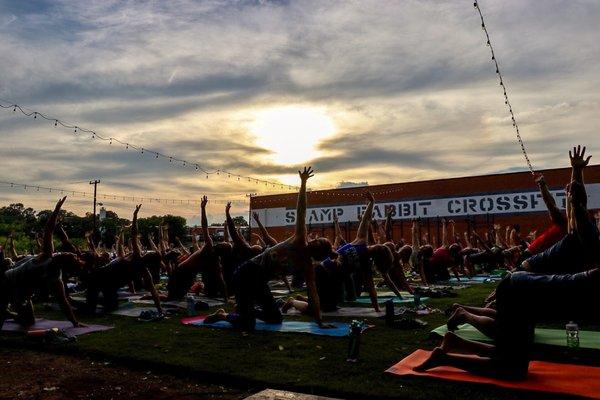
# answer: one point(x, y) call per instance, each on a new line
point(476, 279)
point(383, 299)
point(340, 330)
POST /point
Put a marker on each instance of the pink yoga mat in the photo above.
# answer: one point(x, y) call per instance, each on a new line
point(40, 324)
point(543, 376)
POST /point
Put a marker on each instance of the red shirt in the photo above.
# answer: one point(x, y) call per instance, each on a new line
point(547, 238)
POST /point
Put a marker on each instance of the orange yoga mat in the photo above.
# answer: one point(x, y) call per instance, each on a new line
point(543, 376)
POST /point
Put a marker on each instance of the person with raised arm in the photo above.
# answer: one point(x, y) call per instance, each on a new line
point(251, 278)
point(120, 272)
point(43, 270)
point(203, 261)
point(578, 249)
point(339, 238)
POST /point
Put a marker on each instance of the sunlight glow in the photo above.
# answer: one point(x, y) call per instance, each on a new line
point(291, 132)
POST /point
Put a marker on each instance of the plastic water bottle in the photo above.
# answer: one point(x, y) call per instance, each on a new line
point(356, 328)
point(390, 313)
point(572, 335)
point(191, 305)
point(417, 298)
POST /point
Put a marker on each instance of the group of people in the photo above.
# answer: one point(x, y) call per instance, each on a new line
point(564, 258)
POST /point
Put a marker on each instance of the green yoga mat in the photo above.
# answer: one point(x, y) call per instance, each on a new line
point(550, 337)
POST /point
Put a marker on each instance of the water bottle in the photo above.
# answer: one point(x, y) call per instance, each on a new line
point(572, 335)
point(417, 298)
point(356, 328)
point(390, 313)
point(191, 305)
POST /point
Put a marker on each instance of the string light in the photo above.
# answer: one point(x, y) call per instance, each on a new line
point(76, 193)
point(95, 135)
point(503, 85)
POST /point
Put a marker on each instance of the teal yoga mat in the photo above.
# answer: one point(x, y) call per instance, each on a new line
point(550, 337)
point(340, 330)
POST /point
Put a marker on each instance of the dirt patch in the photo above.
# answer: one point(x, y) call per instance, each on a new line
point(28, 375)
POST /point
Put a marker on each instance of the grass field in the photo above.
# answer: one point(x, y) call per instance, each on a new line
point(305, 363)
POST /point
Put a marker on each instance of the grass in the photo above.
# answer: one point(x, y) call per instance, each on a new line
point(306, 363)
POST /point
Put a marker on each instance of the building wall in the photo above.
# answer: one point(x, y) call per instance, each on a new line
point(277, 211)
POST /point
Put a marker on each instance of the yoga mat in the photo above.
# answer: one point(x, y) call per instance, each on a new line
point(475, 279)
point(132, 311)
point(364, 312)
point(382, 299)
point(547, 377)
point(12, 326)
point(549, 337)
point(181, 304)
point(392, 294)
point(311, 328)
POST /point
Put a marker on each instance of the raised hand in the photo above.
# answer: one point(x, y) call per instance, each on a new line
point(539, 179)
point(306, 174)
point(255, 216)
point(228, 207)
point(369, 196)
point(137, 209)
point(578, 160)
point(204, 202)
point(59, 204)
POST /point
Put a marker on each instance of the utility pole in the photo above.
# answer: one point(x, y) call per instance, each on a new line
point(250, 196)
point(95, 183)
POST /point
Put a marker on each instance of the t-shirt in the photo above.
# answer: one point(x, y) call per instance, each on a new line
point(30, 272)
point(353, 257)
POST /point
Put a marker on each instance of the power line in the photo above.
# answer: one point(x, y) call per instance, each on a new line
point(128, 145)
point(503, 85)
point(83, 194)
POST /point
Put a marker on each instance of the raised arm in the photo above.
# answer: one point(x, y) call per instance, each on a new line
point(268, 239)
point(64, 240)
point(208, 242)
point(444, 233)
point(152, 244)
point(48, 244)
point(300, 233)
point(555, 214)
point(365, 222)
point(225, 232)
point(389, 226)
point(237, 239)
point(181, 246)
point(337, 231)
point(135, 244)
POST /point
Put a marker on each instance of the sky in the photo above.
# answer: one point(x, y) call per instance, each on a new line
point(375, 91)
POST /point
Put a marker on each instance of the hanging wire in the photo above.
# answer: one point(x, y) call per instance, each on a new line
point(504, 90)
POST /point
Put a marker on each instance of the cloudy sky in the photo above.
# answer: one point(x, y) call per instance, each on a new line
point(377, 91)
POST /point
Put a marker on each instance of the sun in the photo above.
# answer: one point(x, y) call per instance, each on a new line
point(291, 132)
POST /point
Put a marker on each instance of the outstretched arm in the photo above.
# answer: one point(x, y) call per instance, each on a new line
point(365, 222)
point(135, 244)
point(389, 226)
point(238, 240)
point(444, 233)
point(48, 244)
point(208, 242)
point(64, 240)
point(182, 247)
point(300, 233)
point(61, 297)
point(268, 239)
point(152, 244)
point(555, 213)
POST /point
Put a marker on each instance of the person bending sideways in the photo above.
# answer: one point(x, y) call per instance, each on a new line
point(120, 272)
point(251, 278)
point(204, 260)
point(522, 300)
point(578, 249)
point(18, 283)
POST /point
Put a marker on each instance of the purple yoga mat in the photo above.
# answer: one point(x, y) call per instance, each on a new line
point(12, 326)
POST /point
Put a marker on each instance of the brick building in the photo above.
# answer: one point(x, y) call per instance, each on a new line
point(473, 202)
